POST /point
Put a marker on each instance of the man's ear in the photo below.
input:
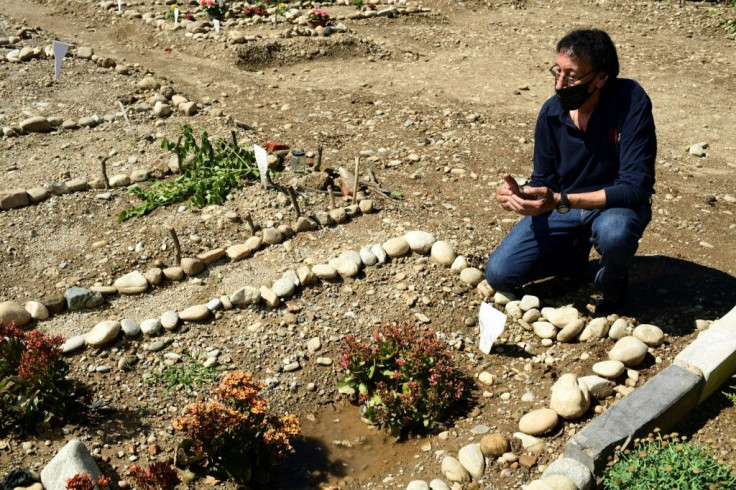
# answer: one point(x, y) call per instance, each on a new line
point(602, 80)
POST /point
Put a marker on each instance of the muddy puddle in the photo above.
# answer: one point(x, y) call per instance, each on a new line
point(338, 449)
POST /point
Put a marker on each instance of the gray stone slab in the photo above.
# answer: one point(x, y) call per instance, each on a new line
point(712, 354)
point(662, 402)
point(72, 459)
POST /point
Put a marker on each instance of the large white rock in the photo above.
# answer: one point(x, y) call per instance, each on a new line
point(346, 267)
point(619, 329)
point(571, 331)
point(596, 329)
point(472, 459)
point(103, 333)
point(284, 287)
point(245, 296)
point(367, 257)
point(239, 251)
point(420, 241)
point(71, 460)
point(458, 264)
point(196, 313)
point(131, 283)
point(539, 421)
point(570, 399)
point(443, 253)
point(380, 253)
point(150, 326)
point(598, 387)
point(629, 350)
point(453, 470)
point(560, 317)
point(544, 330)
point(396, 247)
point(609, 369)
point(10, 311)
point(651, 335)
point(471, 275)
point(324, 271)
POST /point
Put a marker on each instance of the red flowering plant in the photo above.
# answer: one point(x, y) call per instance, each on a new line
point(405, 379)
point(33, 384)
point(83, 481)
point(253, 10)
point(318, 15)
point(235, 433)
point(158, 476)
point(214, 8)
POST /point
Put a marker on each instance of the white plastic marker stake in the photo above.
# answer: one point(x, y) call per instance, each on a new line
point(60, 50)
point(262, 161)
point(120, 6)
point(176, 16)
point(217, 25)
point(125, 115)
point(492, 323)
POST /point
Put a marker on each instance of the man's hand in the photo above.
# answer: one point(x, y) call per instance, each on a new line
point(531, 202)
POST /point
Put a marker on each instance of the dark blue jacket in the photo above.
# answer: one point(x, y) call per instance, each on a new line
point(616, 153)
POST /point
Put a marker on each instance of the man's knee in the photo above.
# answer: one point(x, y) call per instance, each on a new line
point(499, 275)
point(618, 233)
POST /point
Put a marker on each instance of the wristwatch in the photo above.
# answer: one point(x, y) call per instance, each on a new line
point(564, 205)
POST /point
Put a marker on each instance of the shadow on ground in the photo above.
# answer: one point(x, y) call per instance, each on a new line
point(309, 466)
point(666, 291)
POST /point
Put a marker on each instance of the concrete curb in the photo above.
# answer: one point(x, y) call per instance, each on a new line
point(663, 401)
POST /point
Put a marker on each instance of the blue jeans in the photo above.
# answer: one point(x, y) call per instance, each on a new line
point(555, 244)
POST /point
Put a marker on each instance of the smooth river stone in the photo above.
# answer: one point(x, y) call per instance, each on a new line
point(103, 333)
point(245, 296)
point(453, 470)
point(539, 421)
point(10, 311)
point(619, 329)
point(471, 458)
point(272, 236)
point(609, 369)
point(345, 267)
point(629, 350)
point(420, 241)
point(571, 331)
point(598, 387)
point(367, 257)
point(191, 267)
point(443, 253)
point(380, 253)
point(131, 283)
point(239, 251)
point(471, 275)
point(570, 399)
point(169, 320)
point(651, 335)
point(560, 317)
point(529, 302)
point(544, 330)
point(396, 247)
point(150, 326)
point(284, 287)
point(324, 271)
point(195, 313)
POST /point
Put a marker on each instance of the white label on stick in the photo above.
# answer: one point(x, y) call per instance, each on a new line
point(217, 25)
point(492, 323)
point(262, 161)
point(60, 50)
point(120, 6)
point(176, 16)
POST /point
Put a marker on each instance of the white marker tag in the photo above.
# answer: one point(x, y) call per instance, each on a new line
point(120, 5)
point(125, 114)
point(217, 25)
point(60, 50)
point(262, 161)
point(176, 16)
point(492, 323)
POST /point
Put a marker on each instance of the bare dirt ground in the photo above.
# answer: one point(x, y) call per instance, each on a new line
point(439, 104)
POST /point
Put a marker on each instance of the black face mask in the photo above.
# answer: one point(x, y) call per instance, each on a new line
point(572, 98)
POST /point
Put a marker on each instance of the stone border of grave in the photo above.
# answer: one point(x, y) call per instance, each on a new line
point(162, 104)
point(136, 282)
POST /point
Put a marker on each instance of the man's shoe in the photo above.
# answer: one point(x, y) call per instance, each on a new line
point(608, 304)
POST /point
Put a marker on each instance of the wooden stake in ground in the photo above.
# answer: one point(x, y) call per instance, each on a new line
point(235, 139)
point(103, 165)
point(294, 201)
point(177, 246)
point(318, 165)
point(355, 182)
point(332, 197)
point(249, 220)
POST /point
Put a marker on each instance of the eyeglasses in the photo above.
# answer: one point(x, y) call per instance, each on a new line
point(566, 79)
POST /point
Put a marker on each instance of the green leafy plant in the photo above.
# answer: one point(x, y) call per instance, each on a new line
point(159, 476)
point(668, 461)
point(209, 173)
point(358, 4)
point(33, 385)
point(234, 432)
point(186, 375)
point(405, 379)
point(169, 15)
point(729, 25)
